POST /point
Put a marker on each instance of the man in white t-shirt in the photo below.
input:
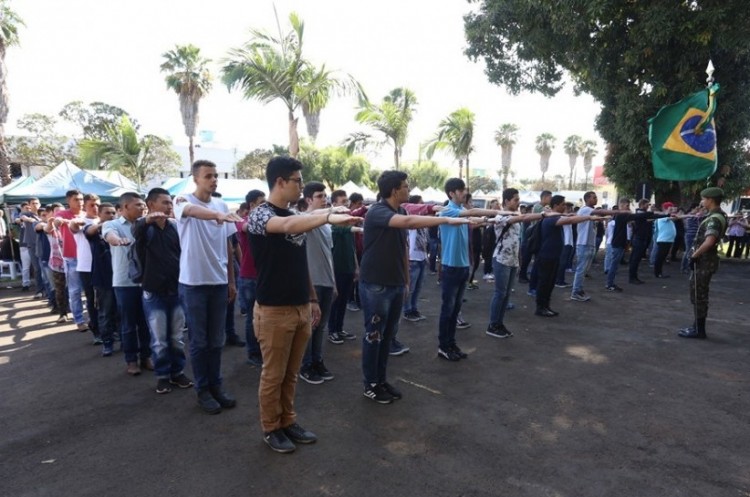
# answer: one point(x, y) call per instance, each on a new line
point(91, 204)
point(206, 280)
point(586, 245)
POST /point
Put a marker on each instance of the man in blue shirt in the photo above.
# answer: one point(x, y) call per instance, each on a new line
point(455, 262)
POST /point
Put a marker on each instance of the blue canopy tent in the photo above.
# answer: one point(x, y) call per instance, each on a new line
point(18, 183)
point(64, 177)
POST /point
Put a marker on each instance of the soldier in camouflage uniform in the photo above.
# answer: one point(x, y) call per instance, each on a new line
point(705, 259)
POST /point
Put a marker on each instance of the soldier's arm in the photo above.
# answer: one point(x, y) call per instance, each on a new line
point(709, 242)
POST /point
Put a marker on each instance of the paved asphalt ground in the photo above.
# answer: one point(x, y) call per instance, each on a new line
point(604, 400)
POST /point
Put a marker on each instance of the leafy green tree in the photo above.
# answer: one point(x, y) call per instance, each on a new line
point(572, 148)
point(482, 183)
point(9, 24)
point(425, 174)
point(95, 118)
point(333, 166)
point(455, 133)
point(633, 58)
point(505, 137)
point(269, 68)
point(188, 76)
point(43, 146)
point(589, 151)
point(253, 165)
point(391, 118)
point(545, 143)
point(138, 158)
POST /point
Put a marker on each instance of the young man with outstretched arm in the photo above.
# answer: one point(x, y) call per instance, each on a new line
point(206, 281)
point(384, 275)
point(286, 306)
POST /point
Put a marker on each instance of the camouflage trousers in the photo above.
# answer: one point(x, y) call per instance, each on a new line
point(700, 279)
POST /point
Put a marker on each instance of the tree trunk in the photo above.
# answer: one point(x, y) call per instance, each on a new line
point(468, 175)
point(5, 176)
point(395, 157)
point(191, 151)
point(460, 169)
point(293, 136)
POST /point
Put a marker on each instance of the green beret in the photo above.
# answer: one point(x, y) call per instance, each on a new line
point(713, 192)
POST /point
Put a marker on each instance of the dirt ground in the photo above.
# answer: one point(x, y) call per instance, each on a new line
point(604, 400)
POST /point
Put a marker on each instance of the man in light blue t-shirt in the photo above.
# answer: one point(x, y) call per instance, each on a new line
point(455, 262)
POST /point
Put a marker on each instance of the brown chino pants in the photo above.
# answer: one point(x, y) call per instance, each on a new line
point(282, 332)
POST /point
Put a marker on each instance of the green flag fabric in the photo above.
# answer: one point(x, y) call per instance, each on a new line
point(683, 138)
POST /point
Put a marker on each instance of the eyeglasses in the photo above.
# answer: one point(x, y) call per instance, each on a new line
point(296, 180)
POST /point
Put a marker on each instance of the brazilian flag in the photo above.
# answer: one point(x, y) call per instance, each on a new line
point(683, 138)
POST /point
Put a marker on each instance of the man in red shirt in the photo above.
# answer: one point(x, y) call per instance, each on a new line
point(73, 215)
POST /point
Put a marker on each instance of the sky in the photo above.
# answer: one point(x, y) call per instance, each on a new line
point(106, 51)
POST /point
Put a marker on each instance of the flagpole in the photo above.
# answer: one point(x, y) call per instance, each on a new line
point(710, 73)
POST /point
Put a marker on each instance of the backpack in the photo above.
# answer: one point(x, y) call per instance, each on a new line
point(534, 238)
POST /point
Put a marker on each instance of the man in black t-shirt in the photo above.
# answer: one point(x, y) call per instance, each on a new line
point(157, 237)
point(286, 305)
point(383, 277)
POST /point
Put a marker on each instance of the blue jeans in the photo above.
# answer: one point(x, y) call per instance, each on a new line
point(246, 288)
point(106, 311)
point(344, 285)
point(504, 280)
point(205, 309)
point(381, 309)
point(453, 286)
point(652, 254)
point(433, 247)
point(585, 255)
point(314, 350)
point(49, 289)
point(166, 321)
point(685, 265)
point(75, 288)
point(614, 263)
point(416, 277)
point(565, 257)
point(133, 328)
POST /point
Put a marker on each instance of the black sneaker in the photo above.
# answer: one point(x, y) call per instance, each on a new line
point(107, 350)
point(322, 371)
point(278, 441)
point(459, 352)
point(335, 338)
point(397, 348)
point(613, 288)
point(395, 393)
point(224, 399)
point(379, 394)
point(411, 316)
point(310, 375)
point(255, 360)
point(448, 354)
point(207, 402)
point(181, 381)
point(498, 331)
point(300, 435)
point(461, 324)
point(346, 335)
point(162, 386)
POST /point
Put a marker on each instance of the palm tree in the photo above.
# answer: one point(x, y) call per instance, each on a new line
point(269, 68)
point(9, 24)
point(189, 77)
point(589, 151)
point(121, 151)
point(505, 137)
point(572, 147)
point(391, 117)
point(545, 143)
point(456, 133)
